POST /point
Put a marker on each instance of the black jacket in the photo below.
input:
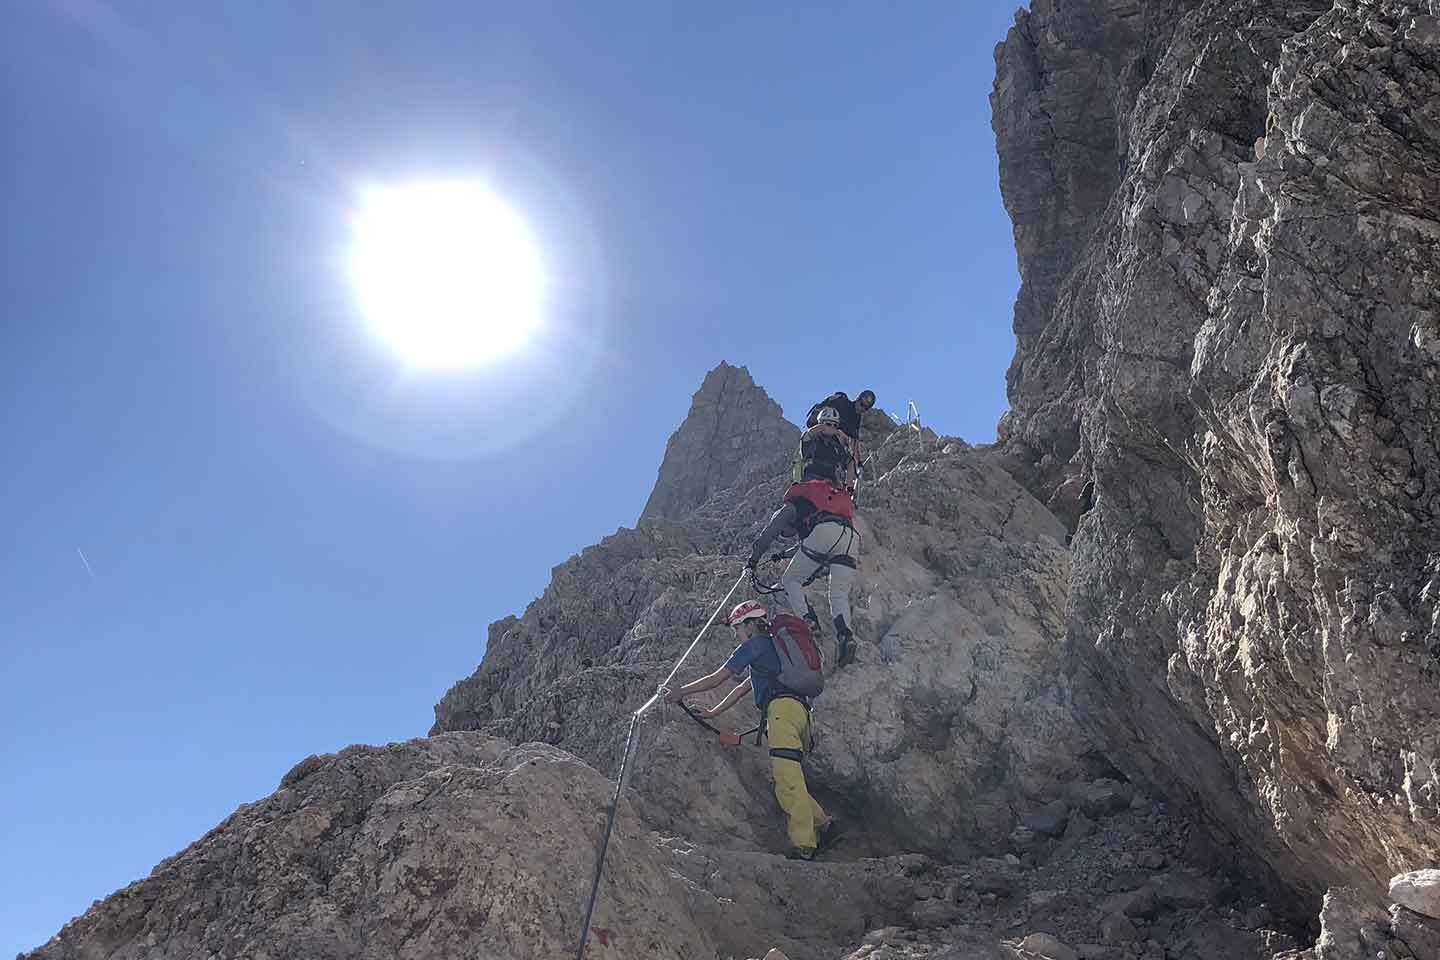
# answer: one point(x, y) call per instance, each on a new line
point(825, 458)
point(843, 405)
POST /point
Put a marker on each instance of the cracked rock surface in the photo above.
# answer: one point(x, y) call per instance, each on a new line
point(1242, 356)
point(950, 722)
point(733, 433)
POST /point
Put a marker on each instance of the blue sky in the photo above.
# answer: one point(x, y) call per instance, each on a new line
point(292, 543)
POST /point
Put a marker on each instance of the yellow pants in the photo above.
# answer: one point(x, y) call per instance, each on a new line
point(787, 726)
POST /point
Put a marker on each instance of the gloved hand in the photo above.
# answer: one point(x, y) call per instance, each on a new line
point(752, 562)
point(669, 694)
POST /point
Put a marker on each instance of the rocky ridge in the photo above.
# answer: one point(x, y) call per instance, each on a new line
point(978, 822)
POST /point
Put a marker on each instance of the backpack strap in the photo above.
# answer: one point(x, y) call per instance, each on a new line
point(787, 753)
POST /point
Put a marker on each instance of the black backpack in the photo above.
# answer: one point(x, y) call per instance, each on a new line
point(827, 402)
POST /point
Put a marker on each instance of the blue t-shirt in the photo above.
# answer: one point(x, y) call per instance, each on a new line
point(759, 651)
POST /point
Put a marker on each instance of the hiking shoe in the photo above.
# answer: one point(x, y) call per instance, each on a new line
point(799, 853)
point(828, 835)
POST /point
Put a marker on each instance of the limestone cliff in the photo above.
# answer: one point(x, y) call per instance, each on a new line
point(1240, 351)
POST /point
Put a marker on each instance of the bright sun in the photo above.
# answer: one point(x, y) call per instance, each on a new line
point(446, 272)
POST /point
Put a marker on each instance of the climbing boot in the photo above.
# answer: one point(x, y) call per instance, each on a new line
point(847, 643)
point(799, 853)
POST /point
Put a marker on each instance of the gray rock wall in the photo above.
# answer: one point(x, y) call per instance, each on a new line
point(952, 720)
point(734, 432)
point(1242, 358)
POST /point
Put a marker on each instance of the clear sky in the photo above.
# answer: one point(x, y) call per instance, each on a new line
point(233, 530)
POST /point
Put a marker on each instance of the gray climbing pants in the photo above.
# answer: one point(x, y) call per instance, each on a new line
point(830, 540)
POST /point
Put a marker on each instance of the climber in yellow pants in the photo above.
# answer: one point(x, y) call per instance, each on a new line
point(787, 725)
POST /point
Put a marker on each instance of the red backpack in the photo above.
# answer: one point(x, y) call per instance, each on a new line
point(801, 669)
point(824, 496)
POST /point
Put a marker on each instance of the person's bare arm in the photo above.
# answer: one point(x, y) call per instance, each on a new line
point(708, 682)
point(731, 698)
point(824, 430)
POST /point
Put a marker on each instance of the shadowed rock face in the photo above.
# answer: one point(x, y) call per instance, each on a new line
point(1243, 357)
point(734, 431)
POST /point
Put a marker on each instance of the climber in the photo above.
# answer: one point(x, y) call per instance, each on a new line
point(846, 427)
point(850, 413)
point(850, 410)
point(819, 512)
point(824, 452)
point(785, 708)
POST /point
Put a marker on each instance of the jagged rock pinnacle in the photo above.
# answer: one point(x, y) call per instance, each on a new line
point(733, 430)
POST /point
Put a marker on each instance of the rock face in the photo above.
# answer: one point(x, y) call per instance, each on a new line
point(1418, 890)
point(459, 845)
point(1242, 356)
point(734, 432)
point(952, 718)
point(950, 735)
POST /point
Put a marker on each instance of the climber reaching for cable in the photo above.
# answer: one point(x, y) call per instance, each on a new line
point(820, 513)
point(779, 662)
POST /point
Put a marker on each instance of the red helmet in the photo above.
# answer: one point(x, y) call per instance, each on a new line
point(749, 610)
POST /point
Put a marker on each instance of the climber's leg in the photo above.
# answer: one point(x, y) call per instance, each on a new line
point(793, 580)
point(787, 729)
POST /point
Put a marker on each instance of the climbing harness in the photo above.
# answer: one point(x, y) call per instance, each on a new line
point(829, 557)
point(769, 585)
point(765, 585)
point(625, 762)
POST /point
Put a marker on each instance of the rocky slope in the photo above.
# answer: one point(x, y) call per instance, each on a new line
point(978, 822)
point(1229, 323)
point(951, 721)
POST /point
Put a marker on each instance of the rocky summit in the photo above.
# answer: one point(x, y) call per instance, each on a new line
point(1155, 675)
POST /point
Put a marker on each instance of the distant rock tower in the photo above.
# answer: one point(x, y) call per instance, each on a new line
point(733, 430)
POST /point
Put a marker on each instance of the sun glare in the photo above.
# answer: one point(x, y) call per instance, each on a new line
point(446, 273)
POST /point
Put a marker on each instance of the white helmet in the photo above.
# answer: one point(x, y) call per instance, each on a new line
point(828, 415)
point(749, 610)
